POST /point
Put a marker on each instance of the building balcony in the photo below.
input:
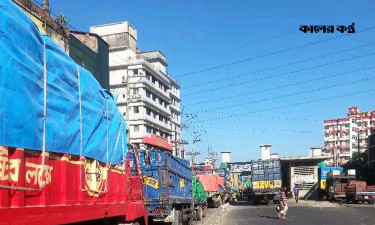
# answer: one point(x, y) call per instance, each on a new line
point(344, 138)
point(157, 123)
point(156, 106)
point(154, 88)
point(175, 95)
point(175, 107)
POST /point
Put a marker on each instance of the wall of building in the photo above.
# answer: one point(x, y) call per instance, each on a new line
point(92, 53)
point(45, 22)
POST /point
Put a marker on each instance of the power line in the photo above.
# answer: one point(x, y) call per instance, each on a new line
point(252, 129)
point(282, 86)
point(279, 66)
point(273, 53)
point(289, 106)
point(282, 74)
point(289, 95)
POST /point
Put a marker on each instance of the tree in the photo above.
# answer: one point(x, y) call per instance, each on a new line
point(364, 171)
point(61, 20)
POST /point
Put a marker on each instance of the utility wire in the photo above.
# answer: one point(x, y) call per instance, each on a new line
point(282, 74)
point(282, 86)
point(253, 129)
point(289, 95)
point(289, 105)
point(279, 66)
point(274, 53)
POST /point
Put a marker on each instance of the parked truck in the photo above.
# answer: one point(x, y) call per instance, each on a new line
point(63, 151)
point(213, 185)
point(323, 174)
point(266, 180)
point(358, 191)
point(200, 200)
point(336, 184)
point(167, 185)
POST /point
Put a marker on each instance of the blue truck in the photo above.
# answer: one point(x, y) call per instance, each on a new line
point(266, 180)
point(167, 185)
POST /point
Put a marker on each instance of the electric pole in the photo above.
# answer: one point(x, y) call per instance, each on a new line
point(193, 153)
point(46, 6)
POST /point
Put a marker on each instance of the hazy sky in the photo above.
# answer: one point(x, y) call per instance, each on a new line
point(283, 106)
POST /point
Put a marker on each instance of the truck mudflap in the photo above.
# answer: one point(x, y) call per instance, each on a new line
point(170, 218)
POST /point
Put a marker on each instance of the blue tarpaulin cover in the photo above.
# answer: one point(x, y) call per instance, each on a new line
point(39, 80)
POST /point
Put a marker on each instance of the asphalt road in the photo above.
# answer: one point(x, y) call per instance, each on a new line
point(244, 213)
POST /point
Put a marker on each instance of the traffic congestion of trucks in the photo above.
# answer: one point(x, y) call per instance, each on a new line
point(67, 159)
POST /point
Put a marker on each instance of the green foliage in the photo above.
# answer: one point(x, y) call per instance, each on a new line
point(62, 20)
point(364, 171)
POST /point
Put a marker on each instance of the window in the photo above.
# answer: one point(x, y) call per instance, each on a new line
point(148, 111)
point(135, 91)
point(161, 118)
point(160, 85)
point(165, 104)
point(136, 109)
point(353, 128)
point(353, 137)
point(353, 120)
point(154, 97)
point(124, 113)
point(154, 131)
point(160, 101)
point(155, 114)
point(148, 76)
point(153, 80)
point(123, 79)
point(148, 129)
point(123, 95)
point(135, 72)
point(136, 128)
point(148, 94)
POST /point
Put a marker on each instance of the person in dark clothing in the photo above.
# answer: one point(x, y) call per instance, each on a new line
point(296, 192)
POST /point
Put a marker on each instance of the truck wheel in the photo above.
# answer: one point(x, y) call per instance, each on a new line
point(199, 214)
point(347, 200)
point(177, 218)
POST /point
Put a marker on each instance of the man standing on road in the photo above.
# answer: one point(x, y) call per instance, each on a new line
point(296, 192)
point(284, 204)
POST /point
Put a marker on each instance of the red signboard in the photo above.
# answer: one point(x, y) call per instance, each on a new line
point(158, 141)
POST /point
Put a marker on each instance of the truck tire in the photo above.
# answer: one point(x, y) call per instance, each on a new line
point(177, 218)
point(194, 214)
point(199, 214)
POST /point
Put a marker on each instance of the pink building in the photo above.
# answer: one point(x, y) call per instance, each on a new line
point(344, 136)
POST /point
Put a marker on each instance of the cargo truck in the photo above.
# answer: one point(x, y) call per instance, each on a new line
point(323, 174)
point(167, 185)
point(265, 180)
point(200, 200)
point(213, 185)
point(358, 191)
point(336, 184)
point(63, 151)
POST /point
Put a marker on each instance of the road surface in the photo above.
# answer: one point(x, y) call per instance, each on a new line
point(244, 213)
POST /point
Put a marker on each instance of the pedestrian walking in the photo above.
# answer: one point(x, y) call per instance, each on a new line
point(296, 192)
point(283, 204)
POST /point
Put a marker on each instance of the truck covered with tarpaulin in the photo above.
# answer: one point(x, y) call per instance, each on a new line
point(63, 154)
point(200, 199)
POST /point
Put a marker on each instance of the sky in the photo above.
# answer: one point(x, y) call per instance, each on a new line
point(287, 83)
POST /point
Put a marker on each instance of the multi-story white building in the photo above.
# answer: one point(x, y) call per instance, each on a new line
point(343, 137)
point(148, 97)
